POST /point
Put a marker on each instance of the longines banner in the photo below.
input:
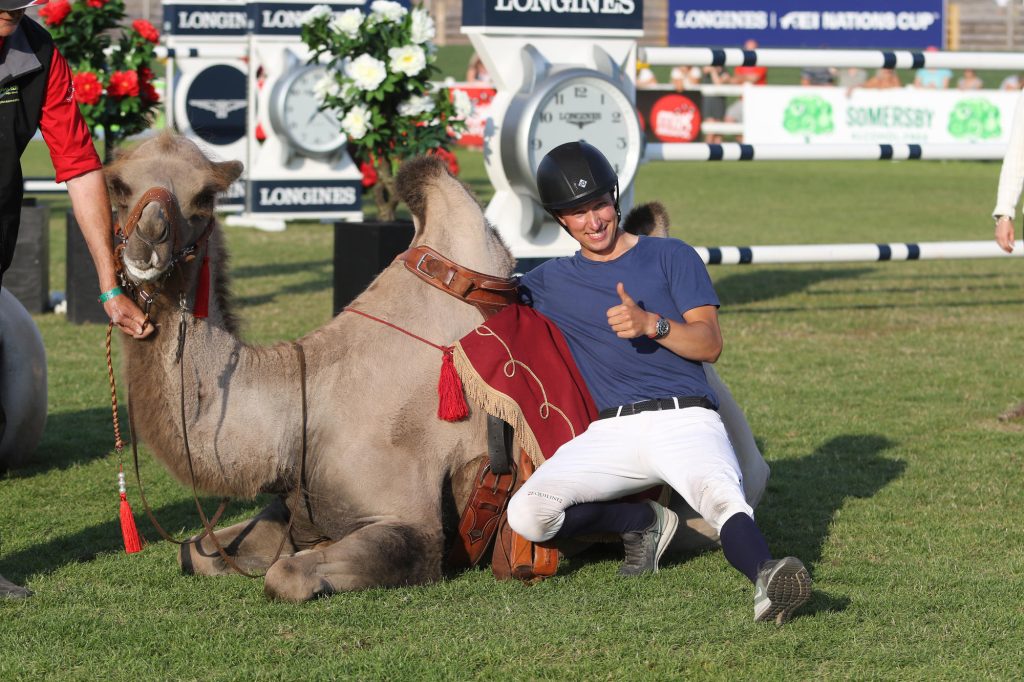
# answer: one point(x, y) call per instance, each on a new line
point(899, 115)
point(236, 18)
point(618, 15)
point(880, 24)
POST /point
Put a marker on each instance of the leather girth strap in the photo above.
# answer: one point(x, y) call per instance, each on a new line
point(489, 294)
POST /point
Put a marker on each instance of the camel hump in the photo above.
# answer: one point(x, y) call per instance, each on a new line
point(415, 176)
point(649, 219)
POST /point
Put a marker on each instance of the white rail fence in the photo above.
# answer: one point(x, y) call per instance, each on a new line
point(797, 253)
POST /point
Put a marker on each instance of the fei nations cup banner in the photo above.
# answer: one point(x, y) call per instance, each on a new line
point(786, 115)
point(882, 24)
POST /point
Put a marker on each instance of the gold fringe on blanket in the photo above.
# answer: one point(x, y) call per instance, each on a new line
point(496, 404)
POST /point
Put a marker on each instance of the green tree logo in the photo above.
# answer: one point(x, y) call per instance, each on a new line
point(808, 115)
point(975, 119)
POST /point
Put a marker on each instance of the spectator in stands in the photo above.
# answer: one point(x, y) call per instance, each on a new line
point(713, 106)
point(969, 81)
point(883, 78)
point(758, 75)
point(817, 76)
point(935, 79)
point(851, 78)
point(685, 77)
point(477, 72)
point(1011, 82)
point(645, 78)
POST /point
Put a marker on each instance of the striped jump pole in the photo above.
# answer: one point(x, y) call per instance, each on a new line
point(853, 253)
point(735, 151)
point(865, 59)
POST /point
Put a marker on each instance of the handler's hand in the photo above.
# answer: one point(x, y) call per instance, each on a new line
point(128, 317)
point(629, 320)
point(1004, 234)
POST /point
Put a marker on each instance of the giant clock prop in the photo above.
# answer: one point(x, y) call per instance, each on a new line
point(553, 86)
point(565, 105)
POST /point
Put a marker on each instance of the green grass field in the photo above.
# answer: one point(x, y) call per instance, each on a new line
point(873, 389)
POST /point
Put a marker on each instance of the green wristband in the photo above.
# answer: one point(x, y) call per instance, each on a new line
point(107, 295)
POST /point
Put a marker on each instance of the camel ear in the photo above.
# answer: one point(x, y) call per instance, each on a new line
point(226, 172)
point(649, 219)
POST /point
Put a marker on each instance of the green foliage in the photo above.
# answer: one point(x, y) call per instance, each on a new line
point(381, 65)
point(113, 80)
point(874, 391)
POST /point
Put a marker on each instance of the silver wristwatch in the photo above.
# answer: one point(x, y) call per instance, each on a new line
point(661, 330)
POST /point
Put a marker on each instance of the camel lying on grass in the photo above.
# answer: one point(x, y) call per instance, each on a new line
point(384, 478)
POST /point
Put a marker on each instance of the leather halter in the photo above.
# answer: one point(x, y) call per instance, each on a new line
point(488, 293)
point(169, 203)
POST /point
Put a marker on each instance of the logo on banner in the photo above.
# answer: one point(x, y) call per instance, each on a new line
point(199, 20)
point(566, 6)
point(314, 196)
point(580, 118)
point(975, 119)
point(810, 115)
point(220, 108)
point(675, 118)
point(215, 104)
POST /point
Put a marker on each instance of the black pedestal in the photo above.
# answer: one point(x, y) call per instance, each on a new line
point(361, 251)
point(28, 278)
point(82, 281)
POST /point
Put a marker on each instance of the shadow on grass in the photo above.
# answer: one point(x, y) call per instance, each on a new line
point(753, 286)
point(281, 269)
point(72, 438)
point(86, 544)
point(320, 277)
point(800, 502)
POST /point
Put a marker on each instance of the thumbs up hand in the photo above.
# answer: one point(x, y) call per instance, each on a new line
point(628, 320)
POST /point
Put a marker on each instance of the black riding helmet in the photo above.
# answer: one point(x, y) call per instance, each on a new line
point(575, 173)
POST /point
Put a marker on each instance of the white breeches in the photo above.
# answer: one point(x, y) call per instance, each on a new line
point(687, 449)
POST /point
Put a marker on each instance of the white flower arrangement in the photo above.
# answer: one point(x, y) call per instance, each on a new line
point(380, 65)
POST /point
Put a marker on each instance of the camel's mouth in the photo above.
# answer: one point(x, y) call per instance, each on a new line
point(145, 270)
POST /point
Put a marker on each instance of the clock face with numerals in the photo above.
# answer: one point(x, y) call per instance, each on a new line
point(295, 113)
point(580, 105)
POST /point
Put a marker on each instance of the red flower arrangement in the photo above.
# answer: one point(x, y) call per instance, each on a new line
point(124, 84)
point(88, 88)
point(369, 174)
point(146, 30)
point(55, 13)
point(113, 77)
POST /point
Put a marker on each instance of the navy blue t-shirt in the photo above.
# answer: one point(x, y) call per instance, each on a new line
point(664, 276)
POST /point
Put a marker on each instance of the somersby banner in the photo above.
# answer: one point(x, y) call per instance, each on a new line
point(900, 115)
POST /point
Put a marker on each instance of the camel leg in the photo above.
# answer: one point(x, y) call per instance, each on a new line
point(384, 553)
point(251, 544)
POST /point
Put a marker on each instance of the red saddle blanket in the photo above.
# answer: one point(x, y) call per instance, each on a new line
point(518, 367)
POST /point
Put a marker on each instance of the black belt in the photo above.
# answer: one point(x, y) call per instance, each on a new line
point(676, 403)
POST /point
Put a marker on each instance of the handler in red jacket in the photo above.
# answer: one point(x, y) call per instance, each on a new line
point(36, 93)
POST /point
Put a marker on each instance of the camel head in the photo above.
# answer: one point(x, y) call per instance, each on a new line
point(168, 220)
point(448, 217)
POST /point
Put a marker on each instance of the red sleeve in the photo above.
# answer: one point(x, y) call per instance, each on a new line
point(63, 127)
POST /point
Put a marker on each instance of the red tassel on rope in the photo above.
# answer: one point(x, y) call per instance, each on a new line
point(129, 532)
point(451, 405)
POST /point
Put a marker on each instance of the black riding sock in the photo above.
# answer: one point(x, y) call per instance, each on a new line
point(743, 545)
point(605, 517)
